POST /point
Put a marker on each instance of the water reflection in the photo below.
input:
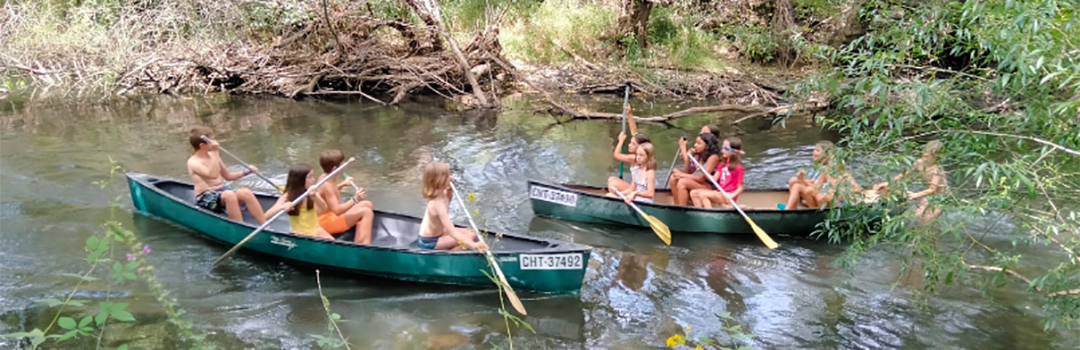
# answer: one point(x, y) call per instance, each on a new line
point(637, 290)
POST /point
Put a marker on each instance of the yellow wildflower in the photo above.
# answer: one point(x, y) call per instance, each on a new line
point(698, 348)
point(675, 340)
point(687, 328)
point(472, 196)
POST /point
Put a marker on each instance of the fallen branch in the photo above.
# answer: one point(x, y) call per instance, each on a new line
point(1027, 280)
point(809, 107)
point(357, 92)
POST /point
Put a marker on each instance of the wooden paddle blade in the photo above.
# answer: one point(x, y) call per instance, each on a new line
point(514, 301)
point(764, 237)
point(661, 230)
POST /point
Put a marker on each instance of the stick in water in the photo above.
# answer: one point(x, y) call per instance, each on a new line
point(498, 271)
point(294, 203)
point(246, 165)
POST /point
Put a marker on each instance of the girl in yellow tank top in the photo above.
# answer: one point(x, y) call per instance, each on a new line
point(303, 219)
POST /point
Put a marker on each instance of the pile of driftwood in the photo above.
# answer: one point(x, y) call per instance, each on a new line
point(344, 49)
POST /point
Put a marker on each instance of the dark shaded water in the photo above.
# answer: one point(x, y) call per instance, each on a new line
point(637, 291)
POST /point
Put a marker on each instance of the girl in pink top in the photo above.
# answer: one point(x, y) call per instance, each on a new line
point(729, 175)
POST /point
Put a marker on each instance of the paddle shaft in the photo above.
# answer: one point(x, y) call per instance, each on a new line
point(626, 100)
point(354, 187)
point(672, 170)
point(711, 179)
point(491, 258)
point(237, 159)
point(631, 203)
point(294, 203)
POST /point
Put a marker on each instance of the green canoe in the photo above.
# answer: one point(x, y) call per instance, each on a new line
point(589, 204)
point(529, 264)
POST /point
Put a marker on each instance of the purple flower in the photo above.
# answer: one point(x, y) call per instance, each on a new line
point(146, 249)
point(131, 257)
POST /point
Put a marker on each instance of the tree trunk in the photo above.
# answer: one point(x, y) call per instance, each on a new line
point(428, 10)
point(433, 23)
point(634, 20)
point(783, 25)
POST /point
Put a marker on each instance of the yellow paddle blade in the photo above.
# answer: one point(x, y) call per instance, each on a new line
point(658, 226)
point(764, 237)
point(280, 188)
point(514, 301)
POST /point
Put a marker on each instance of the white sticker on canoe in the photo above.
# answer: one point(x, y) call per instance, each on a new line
point(550, 262)
point(554, 196)
point(282, 242)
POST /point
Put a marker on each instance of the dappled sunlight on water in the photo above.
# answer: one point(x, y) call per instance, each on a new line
point(637, 291)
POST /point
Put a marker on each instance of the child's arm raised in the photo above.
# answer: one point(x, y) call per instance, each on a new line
point(619, 156)
point(630, 119)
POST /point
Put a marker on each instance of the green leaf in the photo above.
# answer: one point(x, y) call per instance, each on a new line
point(336, 317)
point(99, 319)
point(131, 265)
point(93, 256)
point(85, 321)
point(119, 268)
point(50, 302)
point(67, 335)
point(130, 276)
point(122, 316)
point(66, 323)
point(122, 347)
point(92, 243)
point(706, 340)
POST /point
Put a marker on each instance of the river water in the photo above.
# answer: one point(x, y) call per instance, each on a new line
point(637, 291)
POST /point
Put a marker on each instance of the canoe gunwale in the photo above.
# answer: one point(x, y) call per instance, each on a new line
point(556, 246)
point(565, 187)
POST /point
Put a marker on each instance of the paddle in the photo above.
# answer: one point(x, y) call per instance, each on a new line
point(498, 271)
point(294, 203)
point(237, 159)
point(626, 101)
point(354, 187)
point(657, 226)
point(764, 237)
point(672, 170)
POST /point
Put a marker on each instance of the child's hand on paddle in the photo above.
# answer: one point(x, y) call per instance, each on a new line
point(348, 182)
point(631, 197)
point(312, 190)
point(682, 143)
point(360, 195)
point(253, 169)
point(622, 137)
point(801, 175)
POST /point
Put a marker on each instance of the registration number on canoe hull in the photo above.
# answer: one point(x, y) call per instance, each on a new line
point(553, 196)
point(551, 262)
